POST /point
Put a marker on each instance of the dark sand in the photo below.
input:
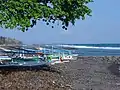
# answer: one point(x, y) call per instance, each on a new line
point(86, 73)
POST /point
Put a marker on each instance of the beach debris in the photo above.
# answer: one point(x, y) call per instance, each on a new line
point(67, 85)
point(62, 76)
point(53, 82)
point(62, 85)
point(8, 84)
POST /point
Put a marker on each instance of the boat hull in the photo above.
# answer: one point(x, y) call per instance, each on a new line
point(23, 62)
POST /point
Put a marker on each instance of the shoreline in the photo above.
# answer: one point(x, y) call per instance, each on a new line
point(86, 73)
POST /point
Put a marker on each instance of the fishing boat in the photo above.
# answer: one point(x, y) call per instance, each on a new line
point(22, 57)
point(59, 55)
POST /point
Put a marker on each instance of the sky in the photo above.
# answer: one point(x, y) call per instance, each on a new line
point(102, 27)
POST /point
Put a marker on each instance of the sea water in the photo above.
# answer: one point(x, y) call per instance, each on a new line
point(94, 49)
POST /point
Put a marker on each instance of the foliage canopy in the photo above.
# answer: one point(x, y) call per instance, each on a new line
point(23, 14)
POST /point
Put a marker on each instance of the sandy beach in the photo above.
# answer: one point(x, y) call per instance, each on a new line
point(85, 73)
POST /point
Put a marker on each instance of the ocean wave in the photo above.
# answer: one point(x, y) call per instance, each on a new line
point(89, 47)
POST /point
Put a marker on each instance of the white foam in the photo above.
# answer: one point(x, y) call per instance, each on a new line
point(90, 47)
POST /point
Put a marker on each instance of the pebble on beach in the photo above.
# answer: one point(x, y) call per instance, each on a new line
point(86, 73)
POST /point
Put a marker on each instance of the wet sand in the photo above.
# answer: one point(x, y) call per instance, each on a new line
point(85, 73)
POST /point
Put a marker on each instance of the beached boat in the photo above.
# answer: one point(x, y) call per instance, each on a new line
point(59, 55)
point(60, 58)
point(22, 57)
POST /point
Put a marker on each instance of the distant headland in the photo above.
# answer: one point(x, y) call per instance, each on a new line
point(9, 41)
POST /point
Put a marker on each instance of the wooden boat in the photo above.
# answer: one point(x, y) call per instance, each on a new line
point(22, 57)
point(27, 57)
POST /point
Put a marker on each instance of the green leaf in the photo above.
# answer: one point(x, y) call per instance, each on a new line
point(19, 13)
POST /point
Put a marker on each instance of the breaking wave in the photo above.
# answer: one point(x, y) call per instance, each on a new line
point(89, 47)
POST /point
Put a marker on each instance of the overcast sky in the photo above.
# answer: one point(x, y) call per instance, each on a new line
point(102, 27)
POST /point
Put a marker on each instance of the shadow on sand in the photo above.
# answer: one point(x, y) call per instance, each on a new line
point(114, 69)
point(9, 69)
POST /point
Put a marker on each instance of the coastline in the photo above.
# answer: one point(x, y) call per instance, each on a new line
point(85, 73)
